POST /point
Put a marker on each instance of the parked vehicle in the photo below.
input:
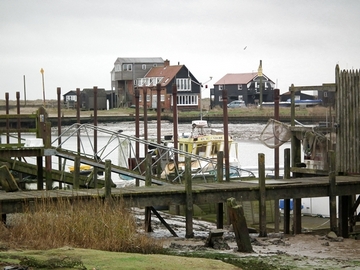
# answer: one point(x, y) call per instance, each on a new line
point(237, 104)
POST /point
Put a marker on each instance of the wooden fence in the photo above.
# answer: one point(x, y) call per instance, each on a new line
point(347, 121)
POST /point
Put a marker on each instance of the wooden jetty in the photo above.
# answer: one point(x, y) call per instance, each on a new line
point(338, 178)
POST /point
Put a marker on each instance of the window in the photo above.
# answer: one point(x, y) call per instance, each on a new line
point(127, 67)
point(240, 97)
point(162, 97)
point(117, 67)
point(325, 94)
point(143, 66)
point(239, 87)
point(221, 87)
point(186, 100)
point(183, 84)
point(220, 98)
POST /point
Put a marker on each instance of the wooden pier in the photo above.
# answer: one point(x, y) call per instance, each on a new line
point(338, 177)
point(202, 193)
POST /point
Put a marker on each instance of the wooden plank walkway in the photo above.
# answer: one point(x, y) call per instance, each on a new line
point(202, 193)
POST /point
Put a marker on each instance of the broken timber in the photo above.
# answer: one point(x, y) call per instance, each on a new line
point(237, 219)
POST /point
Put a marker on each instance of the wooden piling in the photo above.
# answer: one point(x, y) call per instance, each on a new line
point(48, 159)
point(189, 199)
point(148, 175)
point(59, 130)
point(262, 196)
point(287, 201)
point(137, 130)
point(108, 181)
point(219, 178)
point(226, 136)
point(237, 219)
point(332, 196)
point(76, 172)
point(95, 169)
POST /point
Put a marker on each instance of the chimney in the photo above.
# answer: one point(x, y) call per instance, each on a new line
point(166, 63)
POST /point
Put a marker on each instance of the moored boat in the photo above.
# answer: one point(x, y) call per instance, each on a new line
point(203, 147)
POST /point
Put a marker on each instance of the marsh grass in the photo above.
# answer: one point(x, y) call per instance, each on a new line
point(93, 224)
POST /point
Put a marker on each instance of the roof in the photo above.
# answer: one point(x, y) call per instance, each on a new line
point(167, 72)
point(144, 60)
point(71, 92)
point(238, 78)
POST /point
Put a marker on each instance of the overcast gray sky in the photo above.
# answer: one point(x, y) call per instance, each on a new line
point(77, 42)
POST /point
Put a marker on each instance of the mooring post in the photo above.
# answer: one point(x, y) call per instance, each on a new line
point(189, 199)
point(276, 159)
point(7, 119)
point(137, 131)
point(262, 196)
point(76, 172)
point(158, 130)
point(48, 159)
point(108, 179)
point(78, 101)
point(332, 196)
point(59, 129)
point(287, 201)
point(95, 169)
point(148, 175)
point(296, 159)
point(41, 133)
point(219, 179)
point(226, 136)
point(146, 148)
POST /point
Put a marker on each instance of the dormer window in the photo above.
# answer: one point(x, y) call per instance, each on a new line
point(221, 87)
point(117, 67)
point(127, 67)
point(183, 84)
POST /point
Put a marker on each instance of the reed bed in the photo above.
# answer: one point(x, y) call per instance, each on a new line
point(93, 224)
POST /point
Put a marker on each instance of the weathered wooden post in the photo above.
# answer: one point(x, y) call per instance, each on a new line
point(95, 169)
point(237, 219)
point(332, 196)
point(108, 181)
point(137, 131)
point(276, 158)
point(41, 133)
point(226, 136)
point(189, 199)
point(48, 158)
point(262, 196)
point(158, 130)
point(76, 172)
point(219, 178)
point(296, 159)
point(287, 201)
point(59, 129)
point(148, 184)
